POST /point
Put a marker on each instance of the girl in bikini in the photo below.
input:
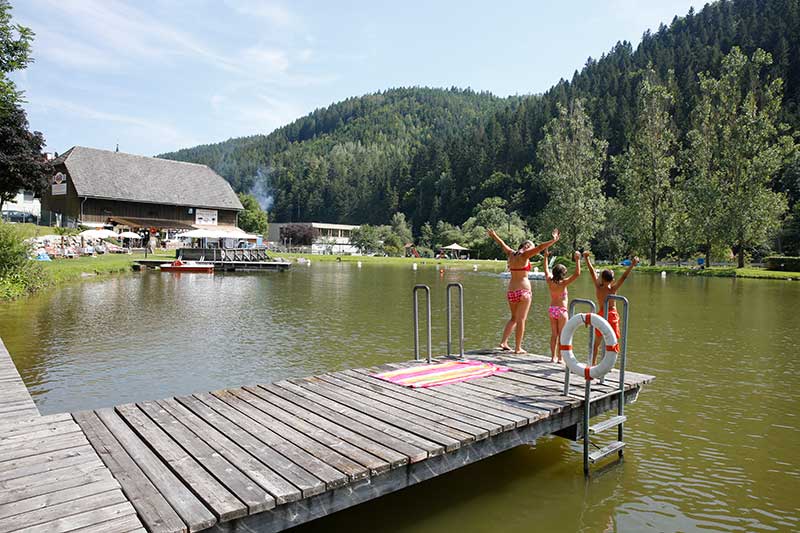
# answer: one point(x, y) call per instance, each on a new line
point(519, 288)
point(557, 283)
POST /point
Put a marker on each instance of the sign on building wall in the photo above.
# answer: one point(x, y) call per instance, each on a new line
point(206, 217)
point(59, 184)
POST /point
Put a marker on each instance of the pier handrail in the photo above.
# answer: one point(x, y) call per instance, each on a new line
point(416, 321)
point(623, 341)
point(593, 307)
point(461, 318)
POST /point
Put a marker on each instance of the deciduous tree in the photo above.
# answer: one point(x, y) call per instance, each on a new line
point(571, 159)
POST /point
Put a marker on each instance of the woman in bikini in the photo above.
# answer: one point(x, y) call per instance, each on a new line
point(557, 283)
point(519, 288)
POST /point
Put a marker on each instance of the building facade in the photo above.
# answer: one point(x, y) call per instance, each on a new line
point(96, 188)
point(324, 238)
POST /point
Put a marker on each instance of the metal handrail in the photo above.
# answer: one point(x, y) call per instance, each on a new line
point(461, 318)
point(416, 321)
point(588, 386)
point(623, 352)
point(572, 305)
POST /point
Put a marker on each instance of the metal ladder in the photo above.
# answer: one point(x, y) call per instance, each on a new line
point(617, 421)
point(427, 290)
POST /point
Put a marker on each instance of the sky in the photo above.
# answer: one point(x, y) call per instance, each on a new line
point(158, 75)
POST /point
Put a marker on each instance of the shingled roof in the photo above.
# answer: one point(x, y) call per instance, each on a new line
point(135, 178)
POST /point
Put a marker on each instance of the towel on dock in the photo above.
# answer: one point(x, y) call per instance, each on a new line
point(440, 373)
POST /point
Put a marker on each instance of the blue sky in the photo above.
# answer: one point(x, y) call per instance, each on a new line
point(158, 75)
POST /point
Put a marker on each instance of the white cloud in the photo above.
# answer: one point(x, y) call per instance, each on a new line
point(141, 128)
point(275, 13)
point(269, 58)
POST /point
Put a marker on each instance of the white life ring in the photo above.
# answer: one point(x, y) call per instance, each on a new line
point(612, 346)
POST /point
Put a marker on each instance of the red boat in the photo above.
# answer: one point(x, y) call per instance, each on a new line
point(187, 266)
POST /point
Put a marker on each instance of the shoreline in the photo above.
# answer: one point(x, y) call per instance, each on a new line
point(63, 271)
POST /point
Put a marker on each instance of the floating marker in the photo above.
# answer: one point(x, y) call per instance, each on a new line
point(663, 273)
point(474, 268)
point(414, 266)
point(359, 264)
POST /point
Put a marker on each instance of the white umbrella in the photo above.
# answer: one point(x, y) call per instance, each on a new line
point(97, 234)
point(454, 246)
point(129, 235)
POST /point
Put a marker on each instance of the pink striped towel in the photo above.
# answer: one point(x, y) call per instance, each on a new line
point(441, 373)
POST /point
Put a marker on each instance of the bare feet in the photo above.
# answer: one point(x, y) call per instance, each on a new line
point(504, 346)
point(520, 351)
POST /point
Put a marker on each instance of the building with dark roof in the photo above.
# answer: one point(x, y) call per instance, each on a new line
point(94, 187)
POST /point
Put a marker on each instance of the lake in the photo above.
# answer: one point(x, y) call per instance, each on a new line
point(713, 443)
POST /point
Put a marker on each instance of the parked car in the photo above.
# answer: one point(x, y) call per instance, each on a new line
point(18, 216)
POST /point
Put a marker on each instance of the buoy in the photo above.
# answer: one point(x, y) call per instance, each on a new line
point(308, 263)
point(414, 266)
point(359, 264)
point(474, 268)
point(441, 271)
point(663, 273)
point(609, 336)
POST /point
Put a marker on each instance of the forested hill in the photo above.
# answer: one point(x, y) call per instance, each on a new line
point(435, 155)
point(341, 163)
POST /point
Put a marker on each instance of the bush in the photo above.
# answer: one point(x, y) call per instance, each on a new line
point(786, 264)
point(18, 274)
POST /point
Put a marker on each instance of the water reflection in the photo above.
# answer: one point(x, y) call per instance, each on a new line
point(712, 444)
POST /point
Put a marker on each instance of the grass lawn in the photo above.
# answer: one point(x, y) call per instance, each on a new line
point(64, 270)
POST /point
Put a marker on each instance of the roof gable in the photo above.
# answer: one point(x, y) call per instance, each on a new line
point(134, 178)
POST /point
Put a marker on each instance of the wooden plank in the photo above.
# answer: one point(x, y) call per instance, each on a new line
point(123, 524)
point(308, 484)
point(490, 398)
point(471, 416)
point(21, 488)
point(374, 444)
point(545, 400)
point(505, 419)
point(85, 519)
point(215, 495)
point(26, 429)
point(46, 462)
point(226, 473)
point(191, 510)
point(360, 451)
point(37, 433)
point(39, 446)
point(274, 439)
point(415, 448)
point(53, 513)
point(327, 455)
point(447, 423)
point(36, 503)
point(268, 479)
point(151, 506)
point(320, 433)
point(451, 439)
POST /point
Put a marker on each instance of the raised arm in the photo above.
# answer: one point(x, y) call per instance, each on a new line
point(624, 275)
point(590, 266)
point(544, 246)
point(577, 258)
point(506, 248)
point(546, 266)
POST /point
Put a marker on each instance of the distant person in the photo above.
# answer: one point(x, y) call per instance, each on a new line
point(604, 287)
point(519, 288)
point(557, 283)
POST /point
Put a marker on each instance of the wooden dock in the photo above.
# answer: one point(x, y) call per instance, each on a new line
point(51, 479)
point(224, 266)
point(271, 456)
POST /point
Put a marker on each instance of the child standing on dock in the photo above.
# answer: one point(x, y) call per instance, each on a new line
point(604, 287)
point(519, 288)
point(557, 283)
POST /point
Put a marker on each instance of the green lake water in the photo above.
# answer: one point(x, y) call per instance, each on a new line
point(713, 443)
